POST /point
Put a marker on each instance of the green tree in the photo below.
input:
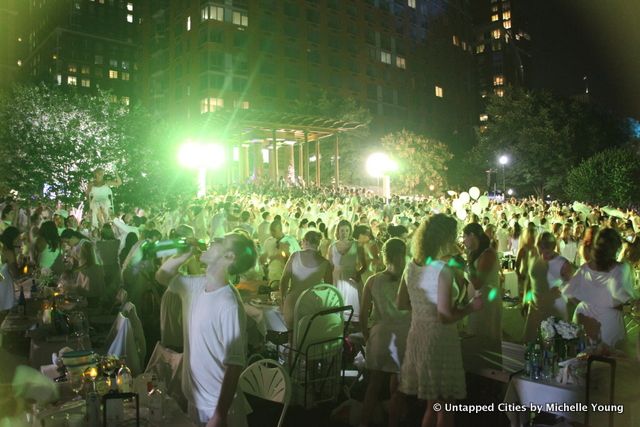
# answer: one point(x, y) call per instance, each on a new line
point(543, 137)
point(52, 140)
point(609, 177)
point(421, 162)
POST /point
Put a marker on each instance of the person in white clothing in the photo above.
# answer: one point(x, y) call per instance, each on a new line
point(602, 285)
point(215, 332)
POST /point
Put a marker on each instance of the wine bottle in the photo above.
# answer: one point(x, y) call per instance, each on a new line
point(166, 248)
point(22, 303)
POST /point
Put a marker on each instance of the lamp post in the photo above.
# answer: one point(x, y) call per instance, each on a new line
point(503, 160)
point(378, 166)
point(201, 157)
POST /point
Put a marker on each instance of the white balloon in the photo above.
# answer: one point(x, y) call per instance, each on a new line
point(451, 193)
point(464, 196)
point(461, 214)
point(456, 204)
point(476, 209)
point(474, 192)
point(483, 201)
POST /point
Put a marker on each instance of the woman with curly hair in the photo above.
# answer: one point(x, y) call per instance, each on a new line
point(432, 366)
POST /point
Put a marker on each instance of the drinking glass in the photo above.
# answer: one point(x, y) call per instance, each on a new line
point(76, 381)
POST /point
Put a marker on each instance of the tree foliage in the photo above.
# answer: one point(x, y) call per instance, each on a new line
point(543, 138)
point(53, 139)
point(422, 162)
point(609, 177)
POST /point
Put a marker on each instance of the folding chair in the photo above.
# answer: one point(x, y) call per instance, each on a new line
point(266, 379)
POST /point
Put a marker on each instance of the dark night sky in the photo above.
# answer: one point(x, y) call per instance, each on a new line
point(596, 38)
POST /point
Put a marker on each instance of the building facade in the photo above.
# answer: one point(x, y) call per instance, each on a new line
point(409, 61)
point(88, 44)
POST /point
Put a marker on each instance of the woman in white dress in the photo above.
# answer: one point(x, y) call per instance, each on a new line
point(432, 366)
point(347, 262)
point(304, 269)
point(483, 273)
point(101, 197)
point(9, 271)
point(602, 286)
point(384, 327)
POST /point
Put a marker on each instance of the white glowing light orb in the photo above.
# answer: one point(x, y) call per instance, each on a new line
point(379, 164)
point(195, 155)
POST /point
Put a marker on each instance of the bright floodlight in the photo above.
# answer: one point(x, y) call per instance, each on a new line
point(510, 192)
point(379, 164)
point(503, 160)
point(195, 155)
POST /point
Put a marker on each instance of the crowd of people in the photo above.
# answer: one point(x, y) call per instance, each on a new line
point(413, 269)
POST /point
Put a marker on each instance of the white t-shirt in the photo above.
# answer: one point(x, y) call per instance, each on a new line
point(215, 336)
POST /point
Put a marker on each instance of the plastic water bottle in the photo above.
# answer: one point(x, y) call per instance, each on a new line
point(527, 360)
point(124, 379)
point(536, 363)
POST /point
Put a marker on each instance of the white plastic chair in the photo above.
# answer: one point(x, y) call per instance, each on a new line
point(267, 380)
point(166, 364)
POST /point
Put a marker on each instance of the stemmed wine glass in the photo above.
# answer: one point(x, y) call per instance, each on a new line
point(76, 381)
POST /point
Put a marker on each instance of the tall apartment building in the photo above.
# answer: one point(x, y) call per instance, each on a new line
point(502, 46)
point(88, 44)
point(11, 40)
point(409, 61)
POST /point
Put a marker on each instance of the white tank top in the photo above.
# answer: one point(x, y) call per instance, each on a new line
point(7, 294)
point(554, 276)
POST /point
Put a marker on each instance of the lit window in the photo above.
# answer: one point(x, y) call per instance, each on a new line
point(411, 3)
point(506, 14)
point(495, 17)
point(129, 18)
point(130, 7)
point(500, 92)
point(125, 100)
point(456, 41)
point(496, 34)
point(85, 69)
point(98, 59)
point(85, 83)
point(125, 65)
point(19, 62)
point(498, 80)
point(385, 57)
point(494, 8)
point(400, 62)
point(72, 81)
point(72, 68)
point(244, 105)
point(506, 24)
point(113, 98)
point(209, 105)
point(241, 18)
point(113, 74)
point(188, 23)
point(464, 46)
point(125, 75)
point(439, 92)
point(480, 48)
point(212, 12)
point(484, 117)
point(113, 63)
point(58, 79)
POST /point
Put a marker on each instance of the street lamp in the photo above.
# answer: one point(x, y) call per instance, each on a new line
point(503, 160)
point(202, 157)
point(378, 166)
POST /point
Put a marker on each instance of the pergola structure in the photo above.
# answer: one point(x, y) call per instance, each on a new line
point(263, 135)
